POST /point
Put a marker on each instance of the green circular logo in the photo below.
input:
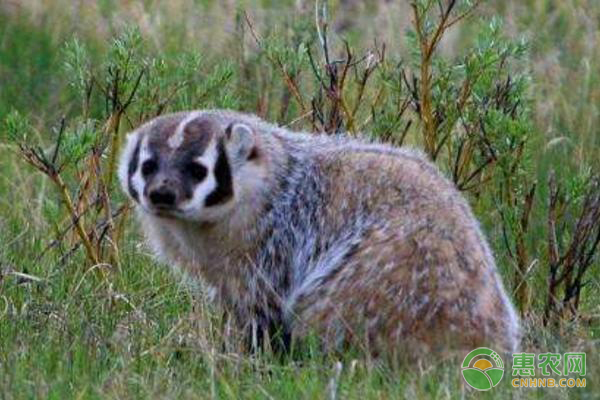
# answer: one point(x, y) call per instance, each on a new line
point(482, 369)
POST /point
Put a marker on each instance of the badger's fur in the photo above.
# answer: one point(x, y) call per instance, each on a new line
point(297, 233)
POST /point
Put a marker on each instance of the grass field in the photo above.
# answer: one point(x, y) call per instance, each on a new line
point(125, 326)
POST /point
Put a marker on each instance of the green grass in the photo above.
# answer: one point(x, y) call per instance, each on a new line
point(142, 332)
point(141, 337)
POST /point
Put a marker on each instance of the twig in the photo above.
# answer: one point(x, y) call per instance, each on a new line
point(288, 80)
point(58, 140)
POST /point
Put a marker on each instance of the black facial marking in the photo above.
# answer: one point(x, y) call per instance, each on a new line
point(131, 168)
point(192, 171)
point(195, 171)
point(253, 154)
point(149, 167)
point(224, 189)
point(228, 130)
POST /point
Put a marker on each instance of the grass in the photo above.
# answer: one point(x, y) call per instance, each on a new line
point(145, 333)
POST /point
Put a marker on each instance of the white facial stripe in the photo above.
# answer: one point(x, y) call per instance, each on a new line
point(137, 181)
point(126, 157)
point(176, 138)
point(209, 184)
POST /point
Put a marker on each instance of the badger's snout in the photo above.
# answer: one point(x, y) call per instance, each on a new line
point(164, 193)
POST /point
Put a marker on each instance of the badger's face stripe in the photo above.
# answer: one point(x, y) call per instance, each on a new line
point(131, 168)
point(222, 173)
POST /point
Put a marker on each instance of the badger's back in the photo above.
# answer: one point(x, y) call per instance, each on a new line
point(390, 255)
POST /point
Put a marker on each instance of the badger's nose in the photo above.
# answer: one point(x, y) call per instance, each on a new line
point(162, 196)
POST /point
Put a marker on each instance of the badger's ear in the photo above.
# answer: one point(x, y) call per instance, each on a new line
point(241, 141)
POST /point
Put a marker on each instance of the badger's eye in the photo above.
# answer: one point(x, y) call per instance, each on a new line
point(149, 167)
point(196, 171)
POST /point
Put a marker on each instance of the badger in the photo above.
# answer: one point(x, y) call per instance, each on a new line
point(299, 234)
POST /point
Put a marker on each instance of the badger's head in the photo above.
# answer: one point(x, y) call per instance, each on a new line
point(192, 166)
